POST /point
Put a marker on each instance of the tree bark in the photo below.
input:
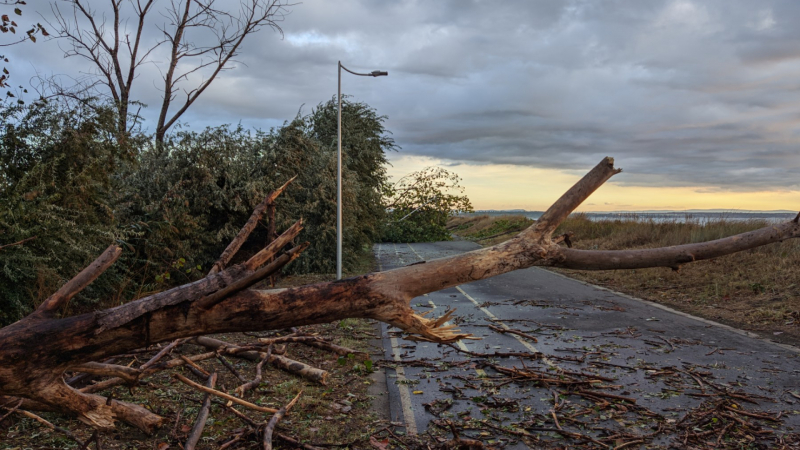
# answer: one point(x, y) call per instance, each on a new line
point(33, 370)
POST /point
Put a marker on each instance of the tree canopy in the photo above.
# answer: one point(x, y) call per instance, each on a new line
point(420, 203)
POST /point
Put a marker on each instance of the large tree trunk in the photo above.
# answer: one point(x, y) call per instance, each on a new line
point(36, 351)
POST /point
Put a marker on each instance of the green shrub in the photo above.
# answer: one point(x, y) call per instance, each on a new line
point(175, 207)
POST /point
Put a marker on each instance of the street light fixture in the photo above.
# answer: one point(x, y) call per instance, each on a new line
point(374, 73)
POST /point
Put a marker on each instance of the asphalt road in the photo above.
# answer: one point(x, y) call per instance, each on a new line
point(615, 364)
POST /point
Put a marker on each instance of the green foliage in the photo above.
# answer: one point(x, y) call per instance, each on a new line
point(365, 142)
point(66, 180)
point(57, 183)
point(420, 203)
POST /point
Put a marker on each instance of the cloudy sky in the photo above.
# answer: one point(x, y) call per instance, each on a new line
point(698, 102)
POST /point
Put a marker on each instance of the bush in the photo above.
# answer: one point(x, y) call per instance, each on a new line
point(420, 204)
point(58, 184)
point(174, 207)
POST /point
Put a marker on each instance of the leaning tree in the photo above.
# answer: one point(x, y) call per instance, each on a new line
point(36, 351)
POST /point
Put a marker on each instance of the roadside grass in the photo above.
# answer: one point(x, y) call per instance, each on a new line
point(484, 227)
point(339, 414)
point(756, 290)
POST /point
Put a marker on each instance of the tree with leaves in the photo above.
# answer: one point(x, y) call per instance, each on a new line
point(420, 203)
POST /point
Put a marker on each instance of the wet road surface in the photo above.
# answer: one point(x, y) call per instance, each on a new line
point(586, 368)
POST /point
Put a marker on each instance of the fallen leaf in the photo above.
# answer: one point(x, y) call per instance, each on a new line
point(380, 445)
point(417, 392)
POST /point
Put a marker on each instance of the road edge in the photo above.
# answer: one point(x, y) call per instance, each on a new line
point(748, 334)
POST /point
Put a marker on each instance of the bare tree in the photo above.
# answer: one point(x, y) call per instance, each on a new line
point(36, 351)
point(196, 37)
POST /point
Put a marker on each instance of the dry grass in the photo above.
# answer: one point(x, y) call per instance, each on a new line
point(487, 228)
point(756, 290)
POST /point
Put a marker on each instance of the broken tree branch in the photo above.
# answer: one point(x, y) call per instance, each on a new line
point(270, 428)
point(237, 400)
point(240, 391)
point(248, 228)
point(280, 362)
point(202, 416)
point(79, 282)
point(35, 372)
point(244, 283)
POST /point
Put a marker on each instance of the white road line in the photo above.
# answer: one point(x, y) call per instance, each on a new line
point(494, 318)
point(461, 345)
point(525, 343)
point(402, 387)
point(415, 252)
point(402, 381)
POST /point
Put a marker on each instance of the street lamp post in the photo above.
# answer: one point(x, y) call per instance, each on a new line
point(375, 73)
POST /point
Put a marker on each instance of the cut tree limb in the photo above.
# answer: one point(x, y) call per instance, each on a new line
point(35, 372)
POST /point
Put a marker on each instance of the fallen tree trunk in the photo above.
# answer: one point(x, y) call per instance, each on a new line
point(36, 351)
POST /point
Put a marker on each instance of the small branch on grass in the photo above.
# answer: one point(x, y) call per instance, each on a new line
point(280, 362)
point(270, 428)
point(194, 365)
point(239, 401)
point(202, 416)
point(111, 382)
point(94, 437)
point(236, 438)
point(161, 353)
point(230, 367)
point(44, 422)
point(240, 391)
point(292, 441)
point(10, 410)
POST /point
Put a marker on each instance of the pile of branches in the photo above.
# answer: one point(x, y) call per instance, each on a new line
point(587, 413)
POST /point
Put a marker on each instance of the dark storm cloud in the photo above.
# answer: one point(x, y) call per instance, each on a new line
point(682, 93)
